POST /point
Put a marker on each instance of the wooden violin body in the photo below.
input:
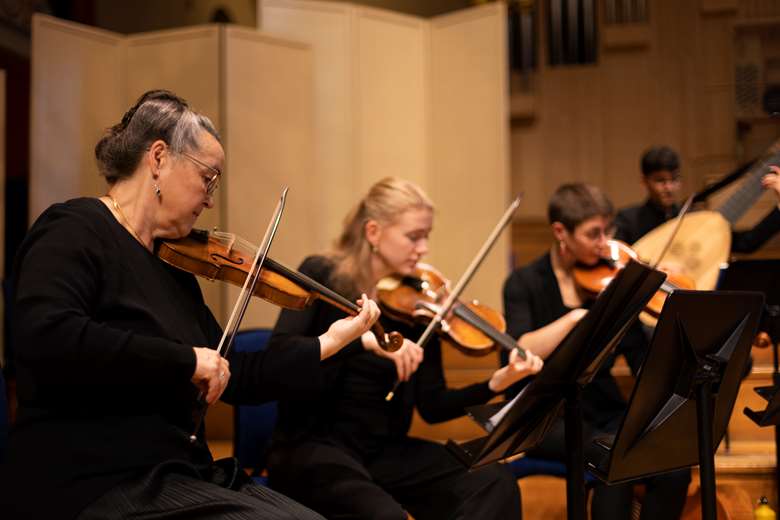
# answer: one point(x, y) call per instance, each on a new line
point(592, 280)
point(229, 264)
point(472, 327)
point(223, 256)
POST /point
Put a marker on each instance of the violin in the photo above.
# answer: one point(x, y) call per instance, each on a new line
point(471, 327)
point(227, 257)
point(594, 279)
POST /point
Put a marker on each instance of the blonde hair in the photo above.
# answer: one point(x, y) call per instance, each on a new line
point(351, 253)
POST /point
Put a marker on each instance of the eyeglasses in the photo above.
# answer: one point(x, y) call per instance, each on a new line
point(211, 181)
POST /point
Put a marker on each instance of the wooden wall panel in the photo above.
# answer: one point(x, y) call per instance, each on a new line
point(374, 101)
point(390, 101)
point(77, 91)
point(326, 27)
point(469, 180)
point(592, 122)
point(628, 124)
point(564, 141)
point(268, 109)
point(186, 62)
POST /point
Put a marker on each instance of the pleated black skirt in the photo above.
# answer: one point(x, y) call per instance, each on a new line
point(178, 490)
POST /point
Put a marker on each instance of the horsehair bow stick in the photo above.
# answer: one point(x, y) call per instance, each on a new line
point(242, 302)
point(677, 226)
point(465, 278)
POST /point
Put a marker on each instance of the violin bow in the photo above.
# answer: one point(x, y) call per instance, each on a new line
point(677, 226)
point(242, 302)
point(465, 278)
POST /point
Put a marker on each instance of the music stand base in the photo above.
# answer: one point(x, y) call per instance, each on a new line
point(705, 407)
point(575, 459)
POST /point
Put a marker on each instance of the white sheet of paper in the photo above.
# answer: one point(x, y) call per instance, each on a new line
point(496, 418)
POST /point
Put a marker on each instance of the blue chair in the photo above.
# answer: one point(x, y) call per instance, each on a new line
point(530, 466)
point(253, 424)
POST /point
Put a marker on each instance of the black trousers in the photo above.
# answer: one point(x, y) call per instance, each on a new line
point(409, 474)
point(176, 490)
point(665, 494)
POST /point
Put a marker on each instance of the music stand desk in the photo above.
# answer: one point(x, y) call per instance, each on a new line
point(525, 420)
point(686, 390)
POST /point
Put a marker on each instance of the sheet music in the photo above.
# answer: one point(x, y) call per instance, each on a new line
point(496, 418)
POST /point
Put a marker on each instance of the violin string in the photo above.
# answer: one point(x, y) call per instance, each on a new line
point(302, 279)
point(488, 329)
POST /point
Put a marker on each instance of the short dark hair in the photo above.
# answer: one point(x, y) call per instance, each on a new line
point(660, 158)
point(158, 114)
point(572, 204)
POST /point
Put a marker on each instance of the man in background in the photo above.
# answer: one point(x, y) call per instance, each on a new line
point(661, 179)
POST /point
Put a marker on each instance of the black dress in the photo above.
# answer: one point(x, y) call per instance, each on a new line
point(104, 332)
point(344, 451)
point(532, 299)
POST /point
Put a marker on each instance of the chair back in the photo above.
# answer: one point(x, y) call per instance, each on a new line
point(253, 424)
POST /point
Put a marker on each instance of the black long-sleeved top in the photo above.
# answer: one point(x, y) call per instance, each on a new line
point(349, 406)
point(104, 333)
point(634, 222)
point(532, 299)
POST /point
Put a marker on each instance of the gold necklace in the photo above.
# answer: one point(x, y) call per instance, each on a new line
point(126, 221)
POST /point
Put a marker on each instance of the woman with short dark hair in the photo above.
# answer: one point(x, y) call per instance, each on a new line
point(542, 303)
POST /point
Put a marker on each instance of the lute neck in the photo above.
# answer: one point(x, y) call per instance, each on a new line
point(750, 190)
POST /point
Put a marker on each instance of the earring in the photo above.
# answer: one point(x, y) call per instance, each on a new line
point(374, 249)
point(157, 191)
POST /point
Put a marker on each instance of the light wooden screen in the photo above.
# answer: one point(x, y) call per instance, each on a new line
point(269, 146)
point(326, 26)
point(370, 72)
point(469, 177)
point(423, 99)
point(390, 97)
point(77, 90)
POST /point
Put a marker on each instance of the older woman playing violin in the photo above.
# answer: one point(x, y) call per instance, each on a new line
point(344, 450)
point(113, 345)
point(542, 303)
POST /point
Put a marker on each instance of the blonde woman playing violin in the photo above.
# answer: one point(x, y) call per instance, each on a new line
point(344, 450)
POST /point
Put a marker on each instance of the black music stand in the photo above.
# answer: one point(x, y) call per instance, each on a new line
point(763, 276)
point(522, 423)
point(688, 382)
